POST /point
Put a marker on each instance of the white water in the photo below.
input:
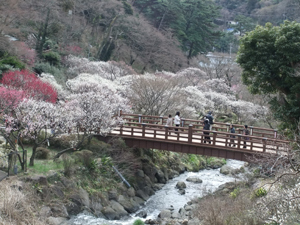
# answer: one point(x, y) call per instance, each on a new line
point(169, 195)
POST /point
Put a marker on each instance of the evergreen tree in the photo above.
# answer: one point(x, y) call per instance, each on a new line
point(270, 57)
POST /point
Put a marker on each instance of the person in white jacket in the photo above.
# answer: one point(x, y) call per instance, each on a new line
point(177, 120)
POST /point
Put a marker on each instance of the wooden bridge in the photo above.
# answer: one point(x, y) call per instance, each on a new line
point(150, 132)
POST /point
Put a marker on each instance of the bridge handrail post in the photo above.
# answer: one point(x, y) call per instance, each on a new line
point(166, 131)
point(161, 120)
point(121, 128)
point(226, 141)
point(275, 133)
point(214, 137)
point(227, 127)
point(120, 112)
point(140, 118)
point(264, 140)
point(182, 122)
point(190, 134)
point(251, 130)
point(143, 129)
point(239, 140)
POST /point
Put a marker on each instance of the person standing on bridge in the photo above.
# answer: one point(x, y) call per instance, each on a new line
point(232, 130)
point(169, 122)
point(177, 120)
point(246, 132)
point(210, 119)
point(206, 134)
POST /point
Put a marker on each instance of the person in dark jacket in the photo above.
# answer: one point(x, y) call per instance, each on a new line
point(210, 119)
point(232, 130)
point(246, 132)
point(206, 134)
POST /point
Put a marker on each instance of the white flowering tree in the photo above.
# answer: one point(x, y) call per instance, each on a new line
point(32, 119)
point(92, 109)
point(108, 70)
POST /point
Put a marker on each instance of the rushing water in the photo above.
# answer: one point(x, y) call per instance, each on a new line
point(169, 195)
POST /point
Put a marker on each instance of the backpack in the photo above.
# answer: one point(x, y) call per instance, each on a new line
point(210, 119)
point(247, 132)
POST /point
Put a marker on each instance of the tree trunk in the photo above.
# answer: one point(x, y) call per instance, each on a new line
point(62, 152)
point(31, 163)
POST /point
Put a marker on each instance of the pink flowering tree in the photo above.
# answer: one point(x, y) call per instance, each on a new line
point(30, 84)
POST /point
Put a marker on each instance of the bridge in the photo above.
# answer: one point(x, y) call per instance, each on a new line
point(145, 131)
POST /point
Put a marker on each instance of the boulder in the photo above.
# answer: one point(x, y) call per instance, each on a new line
point(138, 200)
point(173, 173)
point(55, 220)
point(141, 214)
point(175, 215)
point(141, 194)
point(181, 191)
point(148, 190)
point(78, 201)
point(158, 187)
point(194, 221)
point(226, 170)
point(58, 210)
point(129, 204)
point(131, 192)
point(140, 173)
point(150, 221)
point(45, 212)
point(41, 180)
point(165, 214)
point(194, 180)
point(160, 176)
point(109, 213)
point(113, 194)
point(180, 185)
point(118, 208)
point(150, 171)
point(56, 191)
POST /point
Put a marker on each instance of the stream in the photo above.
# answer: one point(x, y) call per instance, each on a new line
point(168, 195)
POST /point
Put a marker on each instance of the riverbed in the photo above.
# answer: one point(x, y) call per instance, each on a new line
point(169, 196)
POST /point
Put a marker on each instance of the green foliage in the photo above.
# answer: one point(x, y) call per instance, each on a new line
point(235, 192)
point(68, 164)
point(86, 158)
point(138, 222)
point(244, 24)
point(52, 57)
point(10, 63)
point(269, 57)
point(260, 192)
point(127, 7)
point(47, 68)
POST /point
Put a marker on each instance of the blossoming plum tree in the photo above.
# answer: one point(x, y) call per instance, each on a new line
point(30, 84)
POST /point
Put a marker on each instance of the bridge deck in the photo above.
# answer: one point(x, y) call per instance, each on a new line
point(146, 131)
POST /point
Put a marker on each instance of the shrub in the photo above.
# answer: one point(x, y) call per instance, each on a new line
point(47, 68)
point(260, 192)
point(86, 158)
point(52, 57)
point(42, 153)
point(138, 222)
point(68, 164)
point(235, 193)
